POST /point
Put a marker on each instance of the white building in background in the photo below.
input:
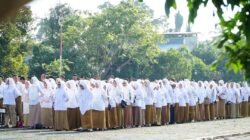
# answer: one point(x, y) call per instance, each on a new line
point(177, 39)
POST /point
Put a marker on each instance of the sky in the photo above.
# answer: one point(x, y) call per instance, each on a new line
point(204, 23)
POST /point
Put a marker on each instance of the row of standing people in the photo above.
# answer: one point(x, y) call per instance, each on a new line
point(117, 103)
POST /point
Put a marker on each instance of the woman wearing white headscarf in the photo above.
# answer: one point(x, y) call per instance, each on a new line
point(207, 101)
point(164, 103)
point(128, 97)
point(46, 102)
point(137, 104)
point(10, 93)
point(25, 98)
point(99, 120)
point(192, 101)
point(212, 99)
point(35, 93)
point(60, 106)
point(158, 103)
point(245, 94)
point(73, 106)
point(182, 103)
point(85, 104)
point(119, 96)
point(143, 105)
point(222, 100)
point(113, 120)
point(238, 100)
point(201, 104)
point(228, 100)
point(149, 100)
point(167, 89)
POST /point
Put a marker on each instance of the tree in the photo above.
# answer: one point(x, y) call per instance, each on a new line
point(178, 21)
point(103, 43)
point(172, 64)
point(15, 43)
point(121, 33)
point(54, 67)
point(209, 54)
point(235, 37)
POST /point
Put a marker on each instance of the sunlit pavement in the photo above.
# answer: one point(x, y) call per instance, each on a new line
point(233, 129)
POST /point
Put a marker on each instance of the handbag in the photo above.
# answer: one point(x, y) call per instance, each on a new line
point(109, 107)
point(123, 104)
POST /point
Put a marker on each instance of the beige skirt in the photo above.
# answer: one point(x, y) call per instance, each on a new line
point(99, 120)
point(149, 115)
point(47, 118)
point(113, 118)
point(35, 115)
point(61, 120)
point(86, 120)
point(74, 118)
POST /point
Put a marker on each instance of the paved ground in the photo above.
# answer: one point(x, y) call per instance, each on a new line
point(234, 129)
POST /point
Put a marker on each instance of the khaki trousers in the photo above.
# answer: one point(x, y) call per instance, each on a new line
point(244, 109)
point(10, 115)
point(207, 112)
point(158, 116)
point(222, 109)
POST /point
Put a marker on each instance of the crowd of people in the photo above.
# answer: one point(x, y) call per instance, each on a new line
point(93, 104)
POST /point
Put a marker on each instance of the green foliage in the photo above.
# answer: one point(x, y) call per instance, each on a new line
point(98, 44)
point(54, 67)
point(172, 64)
point(15, 43)
point(235, 31)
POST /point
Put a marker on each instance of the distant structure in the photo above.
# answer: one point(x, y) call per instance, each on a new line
point(177, 39)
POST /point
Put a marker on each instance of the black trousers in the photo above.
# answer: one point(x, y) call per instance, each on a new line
point(172, 115)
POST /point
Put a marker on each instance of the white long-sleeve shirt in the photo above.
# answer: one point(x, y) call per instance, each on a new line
point(99, 97)
point(9, 95)
point(35, 92)
point(1, 90)
point(73, 99)
point(245, 94)
point(138, 97)
point(85, 100)
point(222, 92)
point(60, 99)
point(46, 100)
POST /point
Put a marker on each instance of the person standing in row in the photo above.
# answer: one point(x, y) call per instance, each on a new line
point(10, 93)
point(46, 103)
point(35, 92)
point(86, 105)
point(60, 106)
point(73, 111)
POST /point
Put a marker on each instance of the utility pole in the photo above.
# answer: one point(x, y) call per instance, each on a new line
point(60, 50)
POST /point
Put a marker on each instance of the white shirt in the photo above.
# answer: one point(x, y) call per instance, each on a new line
point(245, 94)
point(25, 98)
point(201, 95)
point(9, 95)
point(20, 87)
point(85, 100)
point(138, 97)
point(60, 99)
point(35, 92)
point(149, 100)
point(1, 90)
point(158, 98)
point(181, 98)
point(222, 92)
point(99, 97)
point(73, 99)
point(47, 98)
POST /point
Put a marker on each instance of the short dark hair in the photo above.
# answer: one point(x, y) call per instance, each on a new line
point(22, 78)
